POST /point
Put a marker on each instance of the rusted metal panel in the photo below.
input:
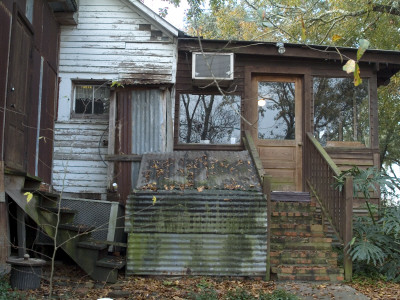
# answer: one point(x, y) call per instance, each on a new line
point(197, 233)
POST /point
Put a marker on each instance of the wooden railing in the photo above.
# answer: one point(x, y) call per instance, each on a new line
point(336, 205)
point(265, 181)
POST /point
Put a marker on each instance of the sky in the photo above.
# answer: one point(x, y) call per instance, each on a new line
point(175, 15)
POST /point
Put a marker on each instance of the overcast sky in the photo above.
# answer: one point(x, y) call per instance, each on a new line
point(175, 15)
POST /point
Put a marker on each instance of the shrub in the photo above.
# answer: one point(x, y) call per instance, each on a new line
point(375, 245)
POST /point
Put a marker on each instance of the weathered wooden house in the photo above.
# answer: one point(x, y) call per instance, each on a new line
point(29, 32)
point(219, 158)
point(254, 119)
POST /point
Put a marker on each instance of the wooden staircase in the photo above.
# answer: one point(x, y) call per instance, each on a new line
point(300, 249)
point(55, 220)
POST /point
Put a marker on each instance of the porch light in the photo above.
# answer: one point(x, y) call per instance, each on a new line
point(281, 48)
point(261, 102)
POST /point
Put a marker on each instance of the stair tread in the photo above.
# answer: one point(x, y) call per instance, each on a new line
point(65, 210)
point(76, 227)
point(112, 262)
point(291, 196)
point(42, 193)
point(92, 245)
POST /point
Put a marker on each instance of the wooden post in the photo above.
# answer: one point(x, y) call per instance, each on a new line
point(348, 232)
point(266, 186)
point(111, 139)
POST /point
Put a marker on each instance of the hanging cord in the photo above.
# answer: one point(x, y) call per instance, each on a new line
point(99, 146)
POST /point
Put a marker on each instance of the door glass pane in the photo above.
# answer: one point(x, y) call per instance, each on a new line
point(276, 109)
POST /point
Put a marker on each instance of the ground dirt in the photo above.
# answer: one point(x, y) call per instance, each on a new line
point(70, 282)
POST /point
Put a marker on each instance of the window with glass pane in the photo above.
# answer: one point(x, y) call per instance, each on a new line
point(276, 110)
point(341, 111)
point(92, 99)
point(209, 119)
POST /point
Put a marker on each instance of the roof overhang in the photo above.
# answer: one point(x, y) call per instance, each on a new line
point(65, 11)
point(386, 63)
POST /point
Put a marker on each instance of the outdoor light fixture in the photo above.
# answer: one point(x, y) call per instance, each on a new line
point(281, 47)
point(261, 102)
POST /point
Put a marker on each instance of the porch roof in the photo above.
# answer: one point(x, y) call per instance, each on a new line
point(386, 62)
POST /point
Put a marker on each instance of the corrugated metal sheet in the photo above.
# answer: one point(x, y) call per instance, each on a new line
point(208, 216)
point(197, 233)
point(148, 125)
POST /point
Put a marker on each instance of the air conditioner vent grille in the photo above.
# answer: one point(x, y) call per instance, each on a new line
point(209, 65)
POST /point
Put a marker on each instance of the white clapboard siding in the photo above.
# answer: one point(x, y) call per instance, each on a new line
point(79, 165)
point(115, 37)
point(113, 40)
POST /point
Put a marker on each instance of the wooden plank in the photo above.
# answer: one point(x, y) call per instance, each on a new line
point(125, 157)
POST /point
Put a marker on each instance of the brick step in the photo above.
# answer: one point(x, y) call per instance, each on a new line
point(309, 219)
point(304, 230)
point(293, 206)
point(304, 254)
point(310, 277)
point(303, 261)
point(300, 243)
point(307, 270)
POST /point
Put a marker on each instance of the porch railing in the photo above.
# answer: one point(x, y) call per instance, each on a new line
point(265, 181)
point(336, 205)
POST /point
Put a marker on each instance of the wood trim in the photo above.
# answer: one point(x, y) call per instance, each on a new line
point(123, 157)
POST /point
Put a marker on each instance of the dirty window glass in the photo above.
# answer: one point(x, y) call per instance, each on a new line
point(276, 110)
point(209, 119)
point(341, 112)
point(91, 99)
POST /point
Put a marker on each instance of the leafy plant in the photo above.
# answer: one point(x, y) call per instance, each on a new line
point(206, 293)
point(376, 244)
point(277, 295)
point(364, 181)
point(5, 291)
point(239, 294)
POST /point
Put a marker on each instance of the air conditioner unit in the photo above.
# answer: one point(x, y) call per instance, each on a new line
point(207, 66)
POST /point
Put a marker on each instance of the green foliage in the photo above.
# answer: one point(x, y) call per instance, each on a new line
point(5, 291)
point(375, 247)
point(204, 294)
point(364, 181)
point(239, 294)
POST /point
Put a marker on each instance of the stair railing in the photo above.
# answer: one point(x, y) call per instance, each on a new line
point(265, 181)
point(336, 205)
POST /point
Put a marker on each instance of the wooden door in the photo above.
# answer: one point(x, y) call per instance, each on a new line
point(277, 111)
point(18, 95)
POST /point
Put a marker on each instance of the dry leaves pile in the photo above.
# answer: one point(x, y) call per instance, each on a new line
point(72, 283)
point(377, 289)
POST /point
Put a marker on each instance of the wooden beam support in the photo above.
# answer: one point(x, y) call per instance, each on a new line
point(348, 233)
